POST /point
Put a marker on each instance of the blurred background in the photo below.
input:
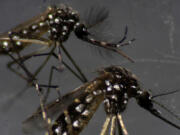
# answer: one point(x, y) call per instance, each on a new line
point(154, 24)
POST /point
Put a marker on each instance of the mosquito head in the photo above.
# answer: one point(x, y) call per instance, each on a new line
point(145, 100)
point(80, 30)
point(122, 86)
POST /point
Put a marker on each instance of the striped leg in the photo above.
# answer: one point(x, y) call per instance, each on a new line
point(121, 123)
point(106, 125)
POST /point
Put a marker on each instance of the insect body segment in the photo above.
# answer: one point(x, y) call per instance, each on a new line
point(81, 110)
point(118, 91)
point(112, 87)
point(51, 29)
point(59, 22)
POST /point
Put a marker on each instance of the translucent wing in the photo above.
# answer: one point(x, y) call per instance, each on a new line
point(96, 16)
point(56, 109)
point(35, 122)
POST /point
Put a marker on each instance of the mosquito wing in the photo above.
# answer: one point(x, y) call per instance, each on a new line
point(25, 33)
point(53, 109)
point(96, 16)
point(56, 109)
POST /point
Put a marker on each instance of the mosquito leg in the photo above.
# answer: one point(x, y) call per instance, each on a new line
point(82, 78)
point(125, 35)
point(44, 62)
point(106, 125)
point(74, 63)
point(12, 38)
point(30, 76)
point(37, 53)
point(43, 41)
point(20, 64)
point(28, 56)
point(53, 68)
point(70, 69)
point(120, 131)
point(121, 123)
point(51, 74)
point(59, 57)
point(48, 86)
point(17, 73)
point(49, 83)
point(10, 64)
point(113, 125)
point(64, 63)
point(36, 73)
point(44, 113)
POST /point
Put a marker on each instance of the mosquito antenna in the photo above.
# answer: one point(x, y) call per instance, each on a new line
point(166, 109)
point(166, 93)
point(158, 115)
point(125, 35)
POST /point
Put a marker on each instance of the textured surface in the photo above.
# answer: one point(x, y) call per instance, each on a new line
point(155, 25)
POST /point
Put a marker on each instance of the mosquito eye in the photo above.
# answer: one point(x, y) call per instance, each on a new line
point(74, 16)
point(80, 30)
point(144, 100)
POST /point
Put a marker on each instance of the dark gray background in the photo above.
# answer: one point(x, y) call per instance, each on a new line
point(155, 25)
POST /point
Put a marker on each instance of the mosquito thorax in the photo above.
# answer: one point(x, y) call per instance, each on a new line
point(120, 89)
point(61, 23)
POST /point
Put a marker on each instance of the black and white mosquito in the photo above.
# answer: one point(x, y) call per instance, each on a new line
point(59, 22)
point(114, 86)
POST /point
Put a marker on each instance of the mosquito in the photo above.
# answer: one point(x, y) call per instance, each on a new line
point(58, 22)
point(114, 86)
